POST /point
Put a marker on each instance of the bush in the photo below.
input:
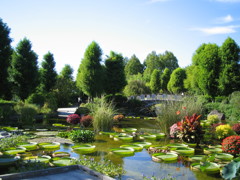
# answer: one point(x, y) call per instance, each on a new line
point(6, 111)
point(118, 118)
point(64, 134)
point(73, 119)
point(118, 99)
point(36, 98)
point(86, 121)
point(213, 119)
point(82, 111)
point(231, 144)
point(236, 128)
point(27, 113)
point(223, 131)
point(82, 136)
point(213, 126)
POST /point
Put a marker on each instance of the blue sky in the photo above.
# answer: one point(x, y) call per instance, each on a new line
point(67, 27)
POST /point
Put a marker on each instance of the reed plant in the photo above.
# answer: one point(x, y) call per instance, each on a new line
point(170, 112)
point(102, 113)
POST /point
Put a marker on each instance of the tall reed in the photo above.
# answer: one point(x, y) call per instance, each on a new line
point(170, 112)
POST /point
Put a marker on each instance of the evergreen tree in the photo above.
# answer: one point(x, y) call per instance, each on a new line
point(89, 78)
point(155, 83)
point(229, 78)
point(48, 74)
point(164, 79)
point(175, 84)
point(115, 76)
point(168, 60)
point(5, 60)
point(67, 72)
point(24, 70)
point(133, 66)
point(136, 87)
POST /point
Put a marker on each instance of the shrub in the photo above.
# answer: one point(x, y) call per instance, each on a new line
point(82, 136)
point(236, 128)
point(86, 121)
point(82, 110)
point(63, 134)
point(36, 98)
point(213, 119)
point(213, 126)
point(5, 111)
point(73, 119)
point(231, 144)
point(223, 131)
point(174, 130)
point(118, 99)
point(118, 118)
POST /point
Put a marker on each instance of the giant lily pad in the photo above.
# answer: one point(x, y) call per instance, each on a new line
point(150, 137)
point(123, 137)
point(212, 150)
point(143, 144)
point(185, 150)
point(59, 125)
point(29, 146)
point(209, 167)
point(5, 161)
point(62, 161)
point(85, 148)
point(43, 159)
point(224, 156)
point(48, 145)
point(14, 151)
point(176, 145)
point(133, 146)
point(160, 135)
point(164, 157)
point(129, 129)
point(60, 154)
point(123, 151)
point(196, 158)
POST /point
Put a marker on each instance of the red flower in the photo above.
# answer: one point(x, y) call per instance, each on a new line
point(178, 112)
point(184, 108)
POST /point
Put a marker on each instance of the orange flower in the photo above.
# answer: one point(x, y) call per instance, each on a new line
point(178, 112)
point(184, 108)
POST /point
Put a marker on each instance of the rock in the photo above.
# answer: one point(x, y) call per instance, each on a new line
point(221, 116)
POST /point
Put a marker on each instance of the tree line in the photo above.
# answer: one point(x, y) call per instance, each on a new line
point(214, 71)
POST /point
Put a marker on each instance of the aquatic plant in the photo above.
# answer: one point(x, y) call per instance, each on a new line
point(82, 136)
point(231, 144)
point(12, 141)
point(73, 119)
point(223, 131)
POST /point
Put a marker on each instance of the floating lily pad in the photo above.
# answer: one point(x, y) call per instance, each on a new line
point(164, 157)
point(224, 156)
point(209, 168)
point(153, 148)
point(59, 125)
point(195, 158)
point(129, 129)
point(85, 148)
point(212, 150)
point(6, 161)
point(133, 146)
point(144, 144)
point(176, 145)
point(123, 151)
point(29, 146)
point(14, 151)
point(43, 159)
point(48, 145)
point(150, 137)
point(123, 137)
point(9, 128)
point(62, 161)
point(160, 135)
point(60, 154)
point(185, 150)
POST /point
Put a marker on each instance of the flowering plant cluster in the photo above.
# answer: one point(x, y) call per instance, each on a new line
point(73, 119)
point(223, 131)
point(118, 118)
point(86, 120)
point(231, 144)
point(174, 129)
point(214, 126)
point(236, 128)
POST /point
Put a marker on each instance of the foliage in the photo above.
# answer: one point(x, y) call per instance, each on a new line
point(164, 79)
point(82, 111)
point(231, 170)
point(174, 130)
point(175, 84)
point(213, 119)
point(27, 113)
point(133, 67)
point(12, 141)
point(5, 59)
point(115, 81)
point(136, 87)
point(103, 115)
point(231, 144)
point(104, 166)
point(64, 134)
point(73, 119)
point(190, 129)
point(236, 128)
point(6, 111)
point(155, 81)
point(118, 118)
point(118, 100)
point(82, 136)
point(37, 98)
point(213, 126)
point(223, 131)
point(168, 60)
point(89, 77)
point(48, 74)
point(229, 78)
point(67, 72)
point(86, 121)
point(24, 70)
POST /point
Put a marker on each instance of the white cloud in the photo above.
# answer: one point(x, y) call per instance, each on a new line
point(228, 1)
point(225, 19)
point(217, 30)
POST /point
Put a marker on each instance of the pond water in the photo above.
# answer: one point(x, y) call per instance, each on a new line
point(141, 162)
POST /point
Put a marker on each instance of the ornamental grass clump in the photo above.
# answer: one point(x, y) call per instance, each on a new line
point(231, 145)
point(73, 119)
point(223, 131)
